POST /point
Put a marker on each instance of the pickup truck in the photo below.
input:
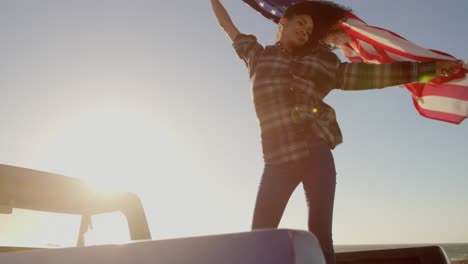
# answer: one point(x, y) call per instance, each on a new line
point(34, 190)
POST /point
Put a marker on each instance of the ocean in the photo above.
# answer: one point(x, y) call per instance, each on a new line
point(453, 251)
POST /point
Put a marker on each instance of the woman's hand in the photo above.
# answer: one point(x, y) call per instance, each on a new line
point(448, 68)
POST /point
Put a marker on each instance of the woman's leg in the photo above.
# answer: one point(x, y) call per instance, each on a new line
point(319, 181)
point(277, 184)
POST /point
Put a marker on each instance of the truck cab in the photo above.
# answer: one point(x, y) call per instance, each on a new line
point(33, 191)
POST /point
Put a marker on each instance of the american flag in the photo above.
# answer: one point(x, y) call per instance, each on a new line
point(441, 98)
point(271, 9)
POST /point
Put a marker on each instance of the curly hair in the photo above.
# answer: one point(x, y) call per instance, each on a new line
point(325, 15)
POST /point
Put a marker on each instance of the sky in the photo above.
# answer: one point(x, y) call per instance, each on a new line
point(150, 97)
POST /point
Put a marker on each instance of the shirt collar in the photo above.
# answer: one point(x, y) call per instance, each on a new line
point(280, 46)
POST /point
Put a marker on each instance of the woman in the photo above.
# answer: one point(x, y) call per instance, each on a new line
point(298, 130)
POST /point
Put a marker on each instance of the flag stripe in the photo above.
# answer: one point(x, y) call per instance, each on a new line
point(374, 34)
point(394, 45)
point(437, 114)
point(444, 104)
point(455, 91)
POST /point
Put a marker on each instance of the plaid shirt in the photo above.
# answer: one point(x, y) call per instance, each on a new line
point(288, 93)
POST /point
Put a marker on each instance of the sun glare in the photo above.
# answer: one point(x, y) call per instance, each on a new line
point(112, 150)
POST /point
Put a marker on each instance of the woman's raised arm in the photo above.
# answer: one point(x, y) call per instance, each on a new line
point(224, 19)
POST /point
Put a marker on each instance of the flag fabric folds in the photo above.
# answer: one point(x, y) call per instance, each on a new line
point(441, 98)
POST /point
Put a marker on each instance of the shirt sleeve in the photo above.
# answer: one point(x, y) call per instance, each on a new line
point(363, 76)
point(247, 48)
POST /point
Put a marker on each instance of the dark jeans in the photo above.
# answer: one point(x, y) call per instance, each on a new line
point(318, 176)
